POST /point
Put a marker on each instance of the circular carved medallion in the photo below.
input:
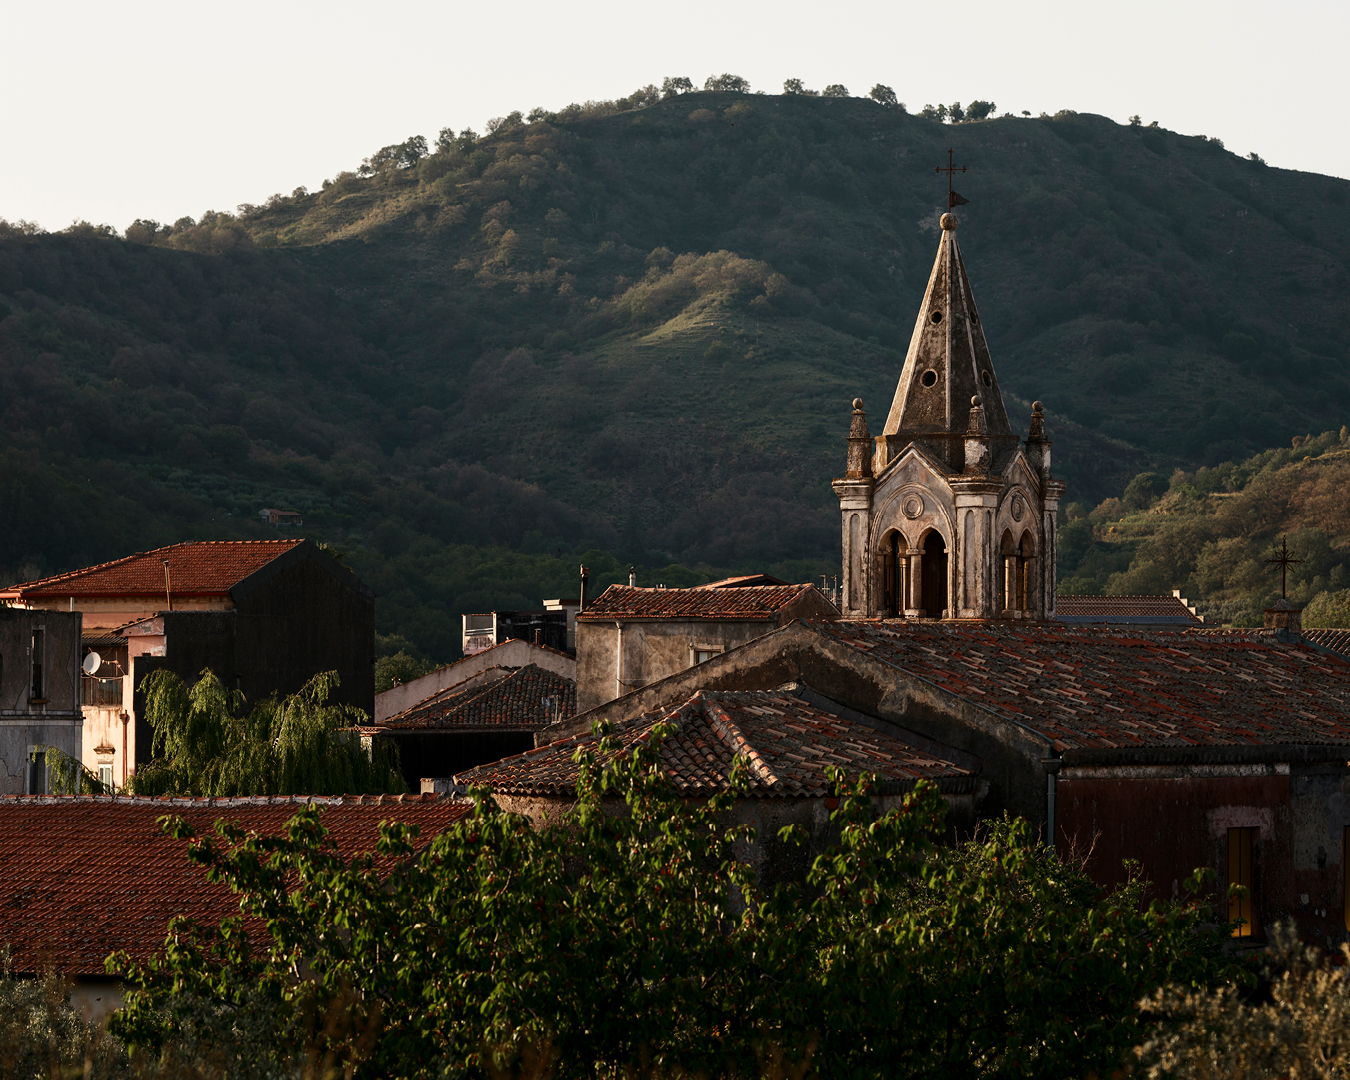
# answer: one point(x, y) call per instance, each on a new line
point(912, 506)
point(1019, 508)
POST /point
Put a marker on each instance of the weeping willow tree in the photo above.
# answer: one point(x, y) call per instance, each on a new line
point(206, 744)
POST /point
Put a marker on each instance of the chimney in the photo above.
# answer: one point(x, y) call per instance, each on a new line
point(585, 580)
point(1286, 620)
point(632, 577)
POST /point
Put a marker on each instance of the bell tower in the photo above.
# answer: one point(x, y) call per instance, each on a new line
point(950, 515)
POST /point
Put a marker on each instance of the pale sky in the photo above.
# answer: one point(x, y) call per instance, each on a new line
point(142, 108)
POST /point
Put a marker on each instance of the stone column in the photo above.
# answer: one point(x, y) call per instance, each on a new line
point(914, 599)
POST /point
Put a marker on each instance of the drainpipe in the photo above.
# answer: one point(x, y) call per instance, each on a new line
point(125, 721)
point(1051, 769)
point(168, 590)
point(618, 662)
point(585, 580)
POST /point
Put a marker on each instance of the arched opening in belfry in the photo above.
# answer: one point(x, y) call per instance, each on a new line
point(934, 599)
point(1026, 573)
point(1007, 577)
point(894, 563)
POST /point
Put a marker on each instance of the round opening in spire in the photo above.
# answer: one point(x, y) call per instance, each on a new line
point(936, 317)
point(929, 378)
point(986, 378)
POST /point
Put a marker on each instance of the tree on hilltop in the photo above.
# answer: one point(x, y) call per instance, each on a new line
point(796, 88)
point(835, 90)
point(674, 85)
point(727, 83)
point(884, 95)
point(980, 110)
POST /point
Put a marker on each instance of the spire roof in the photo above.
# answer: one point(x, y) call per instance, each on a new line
point(947, 365)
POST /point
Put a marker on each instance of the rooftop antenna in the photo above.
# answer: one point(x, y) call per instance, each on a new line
point(1283, 558)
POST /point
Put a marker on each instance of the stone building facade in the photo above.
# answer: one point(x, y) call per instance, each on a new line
point(946, 515)
point(39, 695)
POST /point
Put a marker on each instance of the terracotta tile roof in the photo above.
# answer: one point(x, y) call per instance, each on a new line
point(789, 744)
point(629, 602)
point(1156, 610)
point(200, 569)
point(1097, 688)
point(522, 698)
point(82, 876)
point(1330, 638)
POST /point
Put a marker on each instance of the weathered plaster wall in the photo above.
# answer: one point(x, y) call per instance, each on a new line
point(55, 719)
point(1175, 819)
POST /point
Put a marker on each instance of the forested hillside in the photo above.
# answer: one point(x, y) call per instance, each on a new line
point(468, 364)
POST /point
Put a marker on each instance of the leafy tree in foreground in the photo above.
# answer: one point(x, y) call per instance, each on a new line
point(298, 745)
point(638, 943)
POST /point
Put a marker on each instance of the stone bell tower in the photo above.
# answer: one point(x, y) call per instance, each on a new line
point(946, 513)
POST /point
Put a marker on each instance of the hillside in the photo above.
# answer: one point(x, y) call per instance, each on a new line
point(1210, 533)
point(639, 334)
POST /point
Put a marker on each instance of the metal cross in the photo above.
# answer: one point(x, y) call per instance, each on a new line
point(949, 168)
point(1283, 559)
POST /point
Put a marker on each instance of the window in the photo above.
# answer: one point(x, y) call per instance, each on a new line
point(38, 689)
point(1240, 873)
point(702, 656)
point(37, 773)
point(105, 777)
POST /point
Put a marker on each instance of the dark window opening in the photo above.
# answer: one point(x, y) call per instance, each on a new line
point(37, 773)
point(986, 378)
point(929, 378)
point(936, 317)
point(1241, 906)
point(37, 692)
point(934, 576)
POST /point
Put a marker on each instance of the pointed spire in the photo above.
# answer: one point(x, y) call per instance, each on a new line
point(947, 364)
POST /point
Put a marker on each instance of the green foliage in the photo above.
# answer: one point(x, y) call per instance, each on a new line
point(1328, 609)
point(884, 95)
point(1298, 1028)
point(634, 939)
point(298, 745)
point(980, 109)
point(1142, 490)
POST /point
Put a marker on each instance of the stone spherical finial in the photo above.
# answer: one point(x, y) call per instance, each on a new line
point(857, 404)
point(1036, 406)
point(975, 402)
point(949, 222)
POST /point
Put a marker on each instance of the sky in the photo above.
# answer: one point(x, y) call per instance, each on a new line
point(148, 109)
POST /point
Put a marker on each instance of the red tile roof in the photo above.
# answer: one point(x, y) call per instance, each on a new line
point(200, 569)
point(629, 602)
point(82, 876)
point(1125, 609)
point(1330, 638)
point(1097, 688)
point(521, 699)
point(789, 744)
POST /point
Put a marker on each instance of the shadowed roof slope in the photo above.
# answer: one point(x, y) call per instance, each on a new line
point(83, 876)
point(788, 743)
point(630, 602)
point(1099, 689)
point(523, 699)
point(201, 569)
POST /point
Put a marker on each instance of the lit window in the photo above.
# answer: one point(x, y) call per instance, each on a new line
point(1240, 873)
point(105, 777)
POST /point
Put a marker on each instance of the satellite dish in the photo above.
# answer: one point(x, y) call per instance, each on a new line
point(92, 662)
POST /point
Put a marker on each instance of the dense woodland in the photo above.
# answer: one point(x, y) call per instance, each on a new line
point(629, 332)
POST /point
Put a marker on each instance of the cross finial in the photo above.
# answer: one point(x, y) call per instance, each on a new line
point(953, 199)
point(1284, 558)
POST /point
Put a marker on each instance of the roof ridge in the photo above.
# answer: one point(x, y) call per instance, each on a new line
point(730, 732)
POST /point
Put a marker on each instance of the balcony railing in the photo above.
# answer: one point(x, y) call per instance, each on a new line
point(101, 691)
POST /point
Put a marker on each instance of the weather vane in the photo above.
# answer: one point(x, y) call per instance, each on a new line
point(954, 198)
point(1283, 559)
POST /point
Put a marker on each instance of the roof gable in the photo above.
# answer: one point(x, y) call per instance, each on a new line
point(209, 568)
point(522, 699)
point(788, 744)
